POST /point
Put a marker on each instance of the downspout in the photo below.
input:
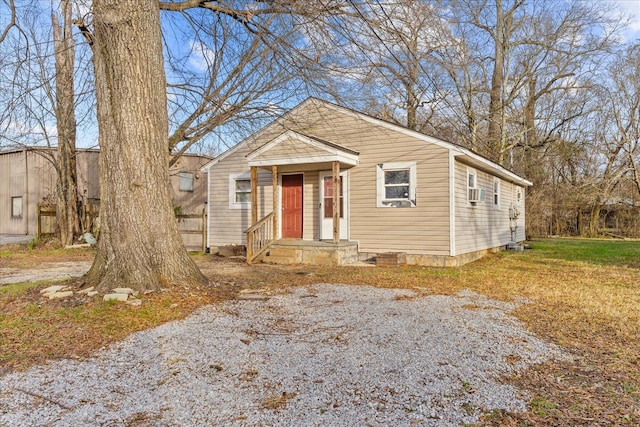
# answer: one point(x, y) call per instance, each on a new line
point(27, 209)
point(208, 209)
point(452, 204)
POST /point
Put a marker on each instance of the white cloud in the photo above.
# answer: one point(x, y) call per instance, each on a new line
point(201, 56)
point(631, 8)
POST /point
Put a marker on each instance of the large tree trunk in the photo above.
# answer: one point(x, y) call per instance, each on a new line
point(140, 246)
point(67, 187)
point(497, 81)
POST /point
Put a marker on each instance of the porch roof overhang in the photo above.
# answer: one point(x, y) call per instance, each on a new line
point(293, 148)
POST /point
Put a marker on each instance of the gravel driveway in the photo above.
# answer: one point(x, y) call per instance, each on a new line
point(327, 355)
point(7, 239)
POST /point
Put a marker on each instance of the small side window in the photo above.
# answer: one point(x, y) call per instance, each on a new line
point(16, 207)
point(240, 190)
point(473, 193)
point(396, 185)
point(186, 181)
point(496, 192)
point(243, 191)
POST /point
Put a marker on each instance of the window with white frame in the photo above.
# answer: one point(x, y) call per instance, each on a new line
point(186, 181)
point(396, 185)
point(473, 193)
point(496, 192)
point(240, 191)
point(16, 207)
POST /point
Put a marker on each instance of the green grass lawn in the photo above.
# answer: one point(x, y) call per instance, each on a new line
point(594, 251)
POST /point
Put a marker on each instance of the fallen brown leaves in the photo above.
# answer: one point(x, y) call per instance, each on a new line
point(591, 310)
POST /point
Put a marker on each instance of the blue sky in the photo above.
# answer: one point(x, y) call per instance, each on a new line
point(195, 60)
point(630, 7)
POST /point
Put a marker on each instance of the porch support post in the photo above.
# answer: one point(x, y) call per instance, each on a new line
point(276, 202)
point(336, 201)
point(254, 195)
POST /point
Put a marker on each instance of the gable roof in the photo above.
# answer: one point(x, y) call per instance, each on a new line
point(293, 147)
point(458, 151)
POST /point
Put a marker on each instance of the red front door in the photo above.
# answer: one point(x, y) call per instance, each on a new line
point(292, 206)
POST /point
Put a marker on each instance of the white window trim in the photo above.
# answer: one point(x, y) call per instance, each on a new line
point(496, 180)
point(233, 177)
point(471, 171)
point(519, 195)
point(380, 193)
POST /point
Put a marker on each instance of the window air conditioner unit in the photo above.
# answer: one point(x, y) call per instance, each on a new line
point(474, 195)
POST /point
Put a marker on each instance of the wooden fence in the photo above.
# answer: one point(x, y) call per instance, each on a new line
point(46, 222)
point(193, 228)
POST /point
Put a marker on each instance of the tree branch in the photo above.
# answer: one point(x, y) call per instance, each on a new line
point(12, 21)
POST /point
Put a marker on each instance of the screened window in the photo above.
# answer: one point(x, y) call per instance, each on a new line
point(16, 207)
point(186, 181)
point(472, 179)
point(473, 193)
point(240, 191)
point(243, 191)
point(396, 184)
point(496, 192)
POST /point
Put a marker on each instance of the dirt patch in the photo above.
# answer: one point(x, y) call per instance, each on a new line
point(589, 309)
point(47, 271)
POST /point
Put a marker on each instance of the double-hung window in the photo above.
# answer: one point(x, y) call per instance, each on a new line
point(496, 192)
point(396, 184)
point(240, 191)
point(473, 193)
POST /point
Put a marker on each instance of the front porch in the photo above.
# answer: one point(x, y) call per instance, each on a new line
point(294, 251)
point(308, 223)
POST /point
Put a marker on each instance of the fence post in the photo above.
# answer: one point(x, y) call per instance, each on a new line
point(38, 225)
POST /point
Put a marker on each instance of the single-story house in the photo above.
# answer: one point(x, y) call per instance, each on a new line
point(28, 178)
point(398, 191)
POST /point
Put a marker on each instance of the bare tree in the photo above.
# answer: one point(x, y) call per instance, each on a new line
point(67, 183)
point(140, 246)
point(624, 107)
point(239, 67)
point(382, 57)
point(41, 96)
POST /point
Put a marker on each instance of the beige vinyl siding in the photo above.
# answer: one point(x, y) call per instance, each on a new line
point(291, 149)
point(228, 226)
point(483, 226)
point(311, 217)
point(423, 229)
